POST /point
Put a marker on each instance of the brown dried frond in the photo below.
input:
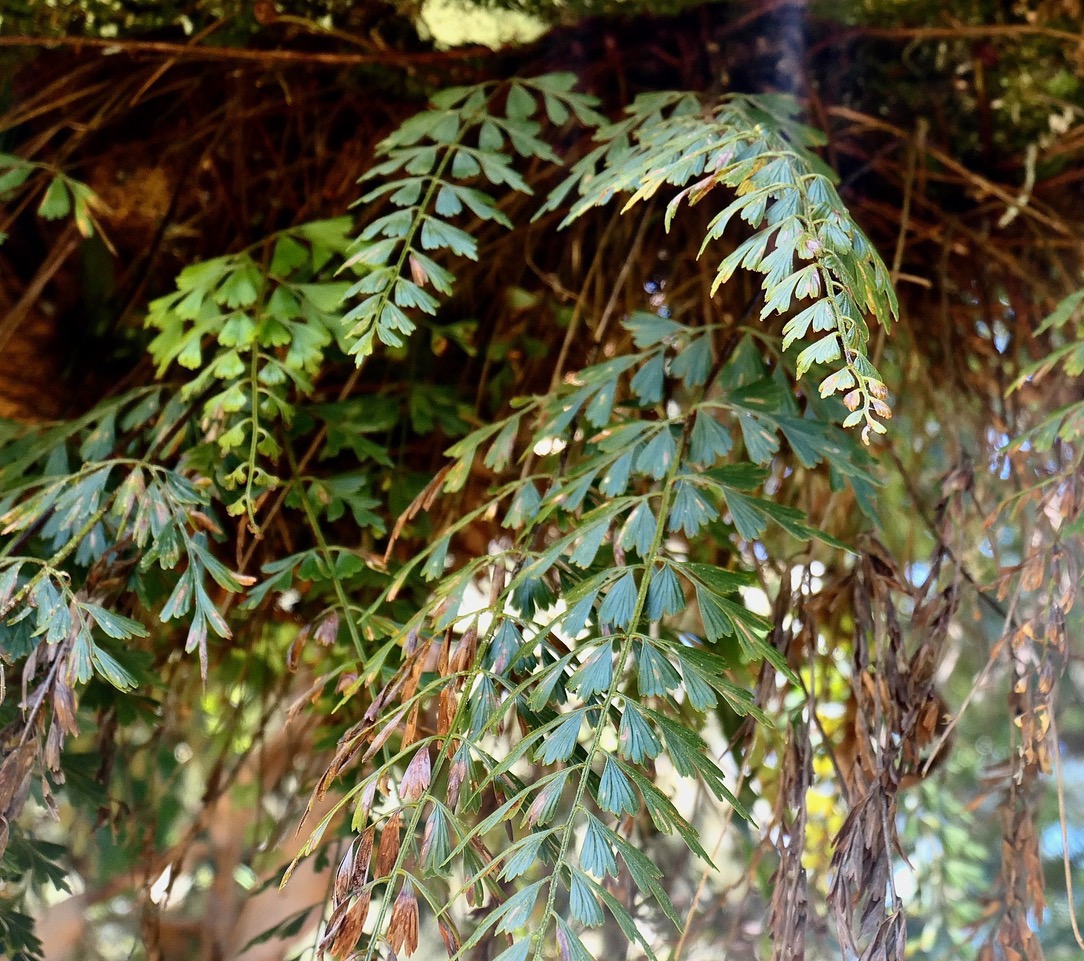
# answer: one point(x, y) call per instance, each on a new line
point(403, 927)
point(788, 910)
point(418, 775)
point(388, 850)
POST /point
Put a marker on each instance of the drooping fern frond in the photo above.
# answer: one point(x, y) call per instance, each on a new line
point(100, 530)
point(61, 195)
point(535, 686)
point(271, 313)
point(807, 247)
point(449, 158)
point(545, 705)
point(99, 516)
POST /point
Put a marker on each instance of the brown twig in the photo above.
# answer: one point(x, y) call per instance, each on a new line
point(312, 58)
point(960, 32)
point(976, 181)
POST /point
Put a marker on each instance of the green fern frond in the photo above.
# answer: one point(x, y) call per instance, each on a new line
point(588, 692)
point(271, 314)
point(807, 247)
point(115, 493)
point(61, 196)
point(448, 160)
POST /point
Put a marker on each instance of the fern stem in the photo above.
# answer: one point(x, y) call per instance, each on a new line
point(325, 550)
point(254, 393)
point(58, 558)
point(626, 648)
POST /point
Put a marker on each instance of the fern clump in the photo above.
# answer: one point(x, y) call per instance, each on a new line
point(572, 666)
point(513, 703)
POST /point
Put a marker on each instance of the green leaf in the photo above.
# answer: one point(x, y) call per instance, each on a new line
point(524, 506)
point(436, 843)
point(57, 200)
point(742, 476)
point(569, 945)
point(522, 855)
point(616, 478)
point(490, 138)
point(650, 329)
point(518, 951)
point(596, 852)
point(803, 283)
point(327, 297)
point(691, 757)
point(595, 675)
point(647, 384)
point(664, 594)
point(657, 676)
point(560, 743)
point(115, 625)
point(615, 793)
point(482, 205)
point(438, 234)
point(693, 363)
point(241, 287)
point(504, 648)
point(582, 903)
point(520, 102)
point(658, 454)
point(111, 669)
point(824, 351)
point(709, 440)
point(434, 566)
point(516, 912)
point(14, 177)
point(639, 530)
point(717, 622)
point(576, 619)
point(748, 518)
point(645, 874)
point(820, 316)
point(1064, 311)
point(690, 510)
point(589, 544)
point(636, 740)
point(619, 604)
point(180, 600)
point(761, 442)
point(556, 111)
point(548, 797)
point(600, 408)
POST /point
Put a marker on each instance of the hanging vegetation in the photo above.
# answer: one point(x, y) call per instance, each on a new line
point(616, 495)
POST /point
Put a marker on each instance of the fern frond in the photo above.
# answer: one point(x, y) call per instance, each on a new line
point(62, 195)
point(586, 694)
point(271, 314)
point(448, 160)
point(806, 246)
point(71, 514)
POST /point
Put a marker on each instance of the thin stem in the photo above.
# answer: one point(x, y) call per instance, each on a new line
point(325, 550)
point(612, 692)
point(51, 565)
